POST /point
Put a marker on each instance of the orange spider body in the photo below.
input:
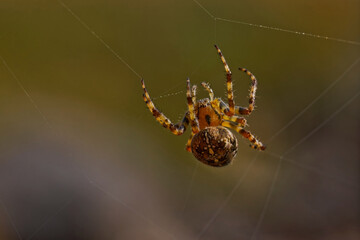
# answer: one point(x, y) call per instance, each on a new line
point(206, 115)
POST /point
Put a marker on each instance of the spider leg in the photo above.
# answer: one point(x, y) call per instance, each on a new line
point(193, 93)
point(188, 144)
point(256, 144)
point(176, 129)
point(229, 85)
point(222, 108)
point(208, 88)
point(191, 97)
point(237, 119)
point(247, 111)
point(219, 105)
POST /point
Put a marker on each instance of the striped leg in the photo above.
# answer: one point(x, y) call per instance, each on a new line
point(193, 93)
point(240, 120)
point(221, 108)
point(188, 144)
point(229, 85)
point(176, 129)
point(184, 122)
point(256, 144)
point(247, 111)
point(208, 88)
point(190, 99)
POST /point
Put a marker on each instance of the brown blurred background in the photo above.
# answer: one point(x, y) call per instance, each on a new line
point(82, 158)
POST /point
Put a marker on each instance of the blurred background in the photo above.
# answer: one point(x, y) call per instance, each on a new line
point(81, 157)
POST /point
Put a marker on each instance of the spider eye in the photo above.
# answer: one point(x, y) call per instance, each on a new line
point(214, 146)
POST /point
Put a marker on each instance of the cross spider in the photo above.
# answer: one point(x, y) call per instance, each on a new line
point(210, 141)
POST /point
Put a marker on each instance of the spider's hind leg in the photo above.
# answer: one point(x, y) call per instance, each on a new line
point(256, 144)
point(188, 143)
point(176, 129)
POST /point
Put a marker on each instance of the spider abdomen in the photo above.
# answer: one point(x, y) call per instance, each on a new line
point(214, 146)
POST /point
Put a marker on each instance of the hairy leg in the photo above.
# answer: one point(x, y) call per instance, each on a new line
point(229, 85)
point(253, 87)
point(256, 144)
point(176, 129)
point(190, 100)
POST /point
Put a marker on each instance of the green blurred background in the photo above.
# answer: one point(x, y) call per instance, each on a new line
point(81, 157)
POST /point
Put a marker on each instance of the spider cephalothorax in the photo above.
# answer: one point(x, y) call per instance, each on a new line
point(210, 141)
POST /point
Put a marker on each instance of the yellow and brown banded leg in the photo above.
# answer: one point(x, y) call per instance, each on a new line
point(188, 144)
point(190, 100)
point(210, 91)
point(193, 93)
point(229, 85)
point(247, 111)
point(256, 144)
point(222, 108)
point(219, 105)
point(176, 129)
point(240, 120)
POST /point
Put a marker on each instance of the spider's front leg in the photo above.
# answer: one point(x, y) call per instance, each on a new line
point(209, 90)
point(256, 144)
point(232, 108)
point(195, 123)
point(176, 129)
point(230, 93)
point(191, 98)
point(248, 110)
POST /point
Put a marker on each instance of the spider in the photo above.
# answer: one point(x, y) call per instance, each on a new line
point(210, 140)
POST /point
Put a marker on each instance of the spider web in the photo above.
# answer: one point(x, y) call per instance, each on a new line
point(214, 203)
